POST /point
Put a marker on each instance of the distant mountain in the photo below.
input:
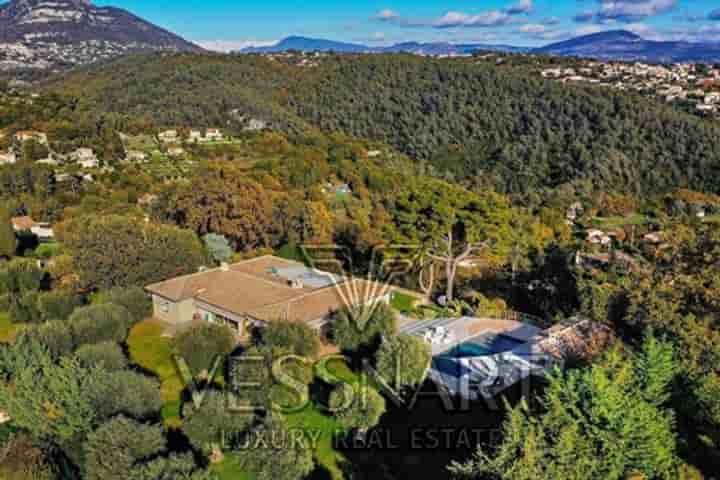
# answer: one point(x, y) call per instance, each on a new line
point(627, 46)
point(50, 33)
point(304, 44)
point(611, 45)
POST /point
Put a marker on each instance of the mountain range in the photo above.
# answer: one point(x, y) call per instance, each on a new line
point(37, 35)
point(51, 33)
point(305, 44)
point(610, 45)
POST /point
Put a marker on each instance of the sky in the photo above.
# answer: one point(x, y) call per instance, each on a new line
point(232, 24)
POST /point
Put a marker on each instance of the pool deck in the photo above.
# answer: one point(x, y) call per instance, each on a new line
point(466, 328)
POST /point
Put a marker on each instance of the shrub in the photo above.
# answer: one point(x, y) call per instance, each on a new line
point(57, 305)
point(100, 323)
point(108, 355)
point(205, 426)
point(134, 299)
point(119, 446)
point(55, 335)
point(362, 327)
point(355, 409)
point(201, 345)
point(23, 308)
point(403, 361)
point(296, 337)
point(20, 275)
point(124, 392)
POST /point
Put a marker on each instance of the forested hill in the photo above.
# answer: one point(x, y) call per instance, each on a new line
point(499, 126)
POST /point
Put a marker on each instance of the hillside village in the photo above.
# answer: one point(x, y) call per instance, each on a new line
point(696, 85)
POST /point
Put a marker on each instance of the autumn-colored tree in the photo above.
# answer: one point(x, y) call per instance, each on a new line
point(225, 201)
point(117, 251)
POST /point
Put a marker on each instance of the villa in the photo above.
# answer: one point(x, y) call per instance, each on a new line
point(256, 292)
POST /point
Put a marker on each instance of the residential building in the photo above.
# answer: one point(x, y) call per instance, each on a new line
point(43, 231)
point(212, 134)
point(8, 158)
point(257, 292)
point(86, 158)
point(26, 135)
point(168, 136)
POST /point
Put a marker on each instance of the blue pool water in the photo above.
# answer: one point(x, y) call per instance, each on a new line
point(482, 346)
point(487, 344)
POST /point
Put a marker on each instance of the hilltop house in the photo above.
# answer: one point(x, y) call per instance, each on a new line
point(26, 135)
point(86, 158)
point(213, 134)
point(7, 158)
point(43, 231)
point(259, 291)
point(168, 136)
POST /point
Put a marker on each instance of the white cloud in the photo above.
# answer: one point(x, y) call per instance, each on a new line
point(523, 6)
point(627, 11)
point(533, 28)
point(490, 18)
point(233, 45)
point(387, 15)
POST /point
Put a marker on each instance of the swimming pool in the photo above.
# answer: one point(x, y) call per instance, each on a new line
point(484, 345)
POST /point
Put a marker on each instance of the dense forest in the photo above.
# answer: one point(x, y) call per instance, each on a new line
point(477, 123)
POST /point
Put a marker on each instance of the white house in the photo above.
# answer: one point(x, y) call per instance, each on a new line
point(168, 136)
point(213, 134)
point(7, 158)
point(26, 135)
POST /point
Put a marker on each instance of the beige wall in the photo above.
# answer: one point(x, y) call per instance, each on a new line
point(173, 312)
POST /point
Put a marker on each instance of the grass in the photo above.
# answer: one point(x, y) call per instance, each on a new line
point(712, 219)
point(8, 330)
point(403, 303)
point(618, 222)
point(153, 352)
point(230, 469)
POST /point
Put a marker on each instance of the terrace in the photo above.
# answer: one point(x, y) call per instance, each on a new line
point(481, 357)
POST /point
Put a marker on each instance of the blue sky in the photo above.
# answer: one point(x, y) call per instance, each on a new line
point(226, 24)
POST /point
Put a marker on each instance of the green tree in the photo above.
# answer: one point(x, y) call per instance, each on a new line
point(298, 338)
point(134, 299)
point(452, 225)
point(608, 421)
point(8, 240)
point(55, 336)
point(100, 323)
point(201, 345)
point(114, 251)
point(173, 467)
point(124, 392)
point(213, 422)
point(218, 247)
point(119, 447)
point(48, 399)
point(354, 328)
point(275, 460)
point(403, 361)
point(357, 407)
point(108, 355)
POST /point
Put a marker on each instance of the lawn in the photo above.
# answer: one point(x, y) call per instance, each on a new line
point(153, 352)
point(618, 222)
point(403, 303)
point(230, 469)
point(8, 330)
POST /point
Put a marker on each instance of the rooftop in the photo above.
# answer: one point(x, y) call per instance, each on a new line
point(270, 288)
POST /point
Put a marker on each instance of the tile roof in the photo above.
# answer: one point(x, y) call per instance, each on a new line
point(254, 288)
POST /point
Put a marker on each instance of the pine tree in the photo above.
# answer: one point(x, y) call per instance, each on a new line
point(8, 240)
